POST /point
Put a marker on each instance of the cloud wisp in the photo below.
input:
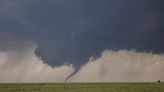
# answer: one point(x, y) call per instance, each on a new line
point(122, 66)
point(19, 63)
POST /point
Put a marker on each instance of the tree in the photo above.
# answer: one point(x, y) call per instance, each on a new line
point(159, 81)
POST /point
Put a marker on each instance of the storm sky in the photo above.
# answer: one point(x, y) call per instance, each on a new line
point(72, 31)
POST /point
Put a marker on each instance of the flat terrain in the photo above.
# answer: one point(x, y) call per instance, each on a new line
point(82, 87)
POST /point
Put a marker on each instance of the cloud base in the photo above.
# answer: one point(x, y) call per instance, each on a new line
point(19, 63)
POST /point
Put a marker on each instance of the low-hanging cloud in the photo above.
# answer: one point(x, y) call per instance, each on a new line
point(122, 66)
point(19, 63)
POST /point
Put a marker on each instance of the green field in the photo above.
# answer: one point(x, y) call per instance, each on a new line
point(82, 87)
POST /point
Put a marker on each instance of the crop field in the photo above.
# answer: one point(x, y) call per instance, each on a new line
point(82, 87)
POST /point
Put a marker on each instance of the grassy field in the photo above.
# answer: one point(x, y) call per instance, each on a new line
point(83, 87)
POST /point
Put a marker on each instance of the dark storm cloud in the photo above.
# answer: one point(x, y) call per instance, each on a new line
point(73, 30)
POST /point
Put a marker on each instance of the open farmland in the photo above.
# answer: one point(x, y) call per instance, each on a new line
point(82, 87)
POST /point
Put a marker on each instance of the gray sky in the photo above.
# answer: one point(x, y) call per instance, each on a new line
point(74, 30)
